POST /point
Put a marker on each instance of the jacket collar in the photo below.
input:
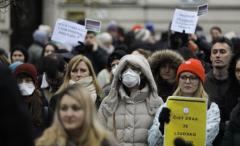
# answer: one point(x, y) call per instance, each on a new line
point(136, 96)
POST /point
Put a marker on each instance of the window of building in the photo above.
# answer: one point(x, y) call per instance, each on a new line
point(75, 1)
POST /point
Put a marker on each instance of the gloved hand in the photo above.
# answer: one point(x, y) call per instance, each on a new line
point(164, 117)
point(80, 43)
point(181, 142)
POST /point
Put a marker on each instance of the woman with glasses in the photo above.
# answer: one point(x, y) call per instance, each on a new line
point(190, 77)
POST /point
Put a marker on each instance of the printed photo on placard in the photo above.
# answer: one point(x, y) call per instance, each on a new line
point(203, 9)
point(93, 25)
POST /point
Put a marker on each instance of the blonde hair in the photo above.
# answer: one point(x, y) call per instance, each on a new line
point(73, 63)
point(92, 133)
point(200, 92)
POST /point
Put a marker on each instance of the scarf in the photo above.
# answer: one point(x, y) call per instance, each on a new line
point(87, 83)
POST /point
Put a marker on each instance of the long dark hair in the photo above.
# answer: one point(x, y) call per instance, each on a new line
point(234, 86)
point(232, 68)
point(234, 83)
point(36, 109)
point(50, 44)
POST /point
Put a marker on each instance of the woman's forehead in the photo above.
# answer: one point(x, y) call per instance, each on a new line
point(69, 99)
point(187, 73)
point(79, 63)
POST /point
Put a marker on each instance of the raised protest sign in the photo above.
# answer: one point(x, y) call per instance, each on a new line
point(184, 21)
point(187, 120)
point(68, 32)
point(93, 25)
point(202, 9)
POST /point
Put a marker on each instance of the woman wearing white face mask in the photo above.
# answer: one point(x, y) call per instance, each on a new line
point(129, 109)
point(26, 75)
point(106, 75)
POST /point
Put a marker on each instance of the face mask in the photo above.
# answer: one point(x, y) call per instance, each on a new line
point(26, 89)
point(130, 78)
point(114, 69)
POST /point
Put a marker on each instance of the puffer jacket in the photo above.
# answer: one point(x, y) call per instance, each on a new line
point(130, 116)
point(155, 137)
point(158, 59)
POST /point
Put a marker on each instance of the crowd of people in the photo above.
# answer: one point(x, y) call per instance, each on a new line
point(112, 88)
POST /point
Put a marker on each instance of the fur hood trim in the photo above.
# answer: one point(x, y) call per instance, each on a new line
point(164, 56)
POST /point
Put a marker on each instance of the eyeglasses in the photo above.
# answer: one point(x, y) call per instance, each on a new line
point(191, 77)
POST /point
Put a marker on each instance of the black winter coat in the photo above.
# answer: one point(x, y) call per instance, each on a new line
point(232, 133)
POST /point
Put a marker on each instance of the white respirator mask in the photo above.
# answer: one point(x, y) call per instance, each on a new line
point(26, 89)
point(130, 78)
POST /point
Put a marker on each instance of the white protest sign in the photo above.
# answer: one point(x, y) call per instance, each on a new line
point(68, 32)
point(93, 25)
point(184, 21)
point(202, 9)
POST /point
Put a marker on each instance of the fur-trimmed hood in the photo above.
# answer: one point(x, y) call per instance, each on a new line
point(110, 103)
point(158, 59)
point(162, 57)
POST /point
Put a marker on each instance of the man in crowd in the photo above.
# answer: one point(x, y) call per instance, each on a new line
point(217, 81)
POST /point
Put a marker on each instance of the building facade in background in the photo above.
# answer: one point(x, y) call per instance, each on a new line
point(17, 30)
point(129, 12)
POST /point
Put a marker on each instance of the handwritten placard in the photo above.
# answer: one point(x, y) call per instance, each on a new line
point(184, 21)
point(68, 32)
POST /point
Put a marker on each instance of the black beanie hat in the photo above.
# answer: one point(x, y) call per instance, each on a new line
point(117, 54)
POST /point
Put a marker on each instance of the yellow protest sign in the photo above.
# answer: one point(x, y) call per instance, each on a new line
point(187, 120)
